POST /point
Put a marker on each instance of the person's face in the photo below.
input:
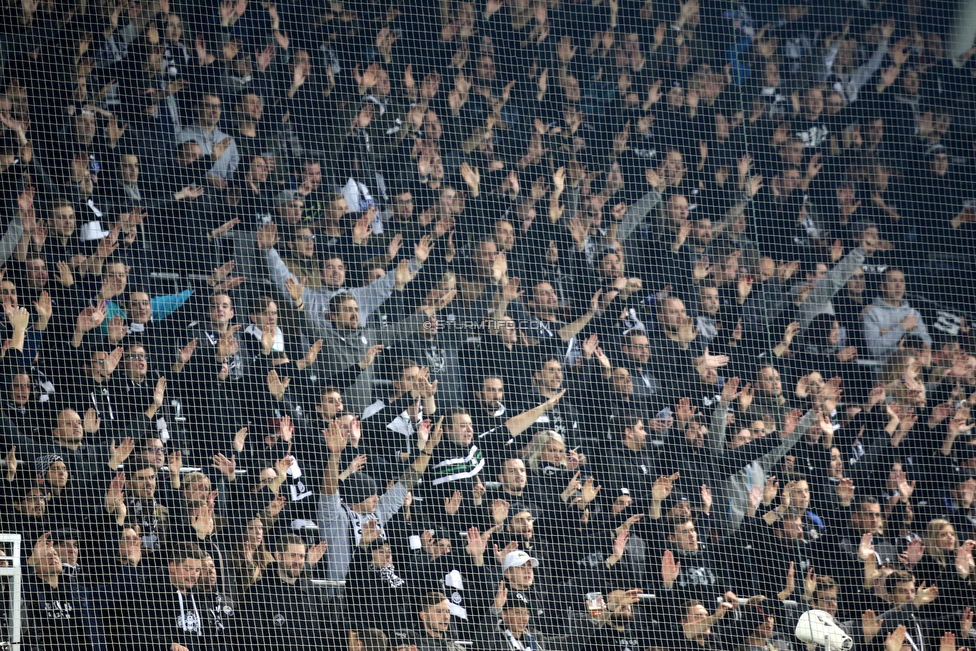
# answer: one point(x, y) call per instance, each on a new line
point(136, 363)
point(432, 126)
point(437, 618)
point(856, 284)
point(492, 392)
point(85, 128)
point(673, 313)
point(611, 267)
point(57, 475)
point(637, 434)
point(348, 316)
point(199, 490)
point(64, 221)
point(130, 169)
point(154, 453)
point(572, 89)
point(208, 572)
point(523, 524)
point(800, 495)
point(702, 231)
point(331, 404)
point(67, 551)
point(868, 519)
point(814, 102)
point(638, 349)
point(826, 601)
point(685, 537)
point(965, 492)
point(142, 483)
point(313, 175)
point(709, 300)
point(304, 246)
point(674, 166)
point(268, 317)
point(947, 540)
point(37, 274)
point(221, 310)
point(255, 533)
point(484, 256)
point(20, 389)
point(792, 153)
point(894, 287)
point(403, 206)
point(545, 300)
point(896, 475)
point(520, 577)
point(292, 560)
point(740, 438)
point(99, 370)
point(8, 291)
point(209, 113)
point(772, 75)
point(462, 429)
point(516, 619)
point(70, 429)
point(504, 235)
point(678, 209)
point(904, 593)
point(770, 382)
point(485, 69)
point(834, 337)
point(334, 272)
point(382, 556)
point(514, 477)
point(836, 464)
point(551, 375)
point(695, 435)
point(253, 106)
point(140, 307)
point(48, 564)
point(114, 279)
point(185, 574)
point(174, 28)
point(622, 382)
point(291, 212)
point(939, 164)
point(695, 614)
point(259, 170)
point(508, 332)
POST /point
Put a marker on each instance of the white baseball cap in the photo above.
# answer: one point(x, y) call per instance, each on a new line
point(518, 559)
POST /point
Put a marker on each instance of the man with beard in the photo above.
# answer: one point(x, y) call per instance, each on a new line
point(283, 612)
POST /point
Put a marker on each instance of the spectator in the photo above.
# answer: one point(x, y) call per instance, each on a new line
point(890, 318)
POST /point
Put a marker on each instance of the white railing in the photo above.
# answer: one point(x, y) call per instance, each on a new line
point(12, 570)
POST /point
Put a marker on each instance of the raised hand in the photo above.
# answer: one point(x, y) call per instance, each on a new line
point(669, 569)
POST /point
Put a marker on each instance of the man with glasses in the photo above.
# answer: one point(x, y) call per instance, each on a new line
point(141, 396)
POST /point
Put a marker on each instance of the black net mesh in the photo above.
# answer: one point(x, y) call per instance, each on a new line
point(516, 326)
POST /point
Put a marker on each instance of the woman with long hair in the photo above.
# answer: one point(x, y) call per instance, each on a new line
point(949, 565)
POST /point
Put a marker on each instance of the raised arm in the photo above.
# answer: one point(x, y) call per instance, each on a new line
point(521, 422)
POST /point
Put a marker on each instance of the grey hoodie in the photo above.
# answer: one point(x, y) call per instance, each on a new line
point(820, 299)
point(883, 329)
point(369, 298)
point(732, 494)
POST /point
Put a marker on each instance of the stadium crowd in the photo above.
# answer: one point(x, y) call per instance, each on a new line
point(514, 325)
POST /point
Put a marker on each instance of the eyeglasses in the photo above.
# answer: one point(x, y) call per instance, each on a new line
point(306, 238)
point(136, 358)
